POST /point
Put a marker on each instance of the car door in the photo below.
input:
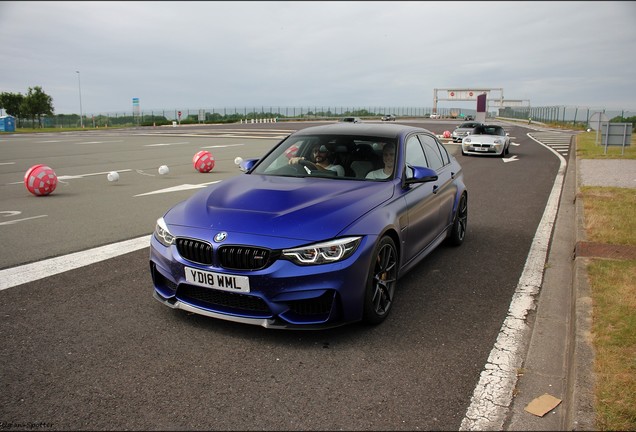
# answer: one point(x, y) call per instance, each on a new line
point(421, 203)
point(445, 187)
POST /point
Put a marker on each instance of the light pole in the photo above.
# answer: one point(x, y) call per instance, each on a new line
point(79, 85)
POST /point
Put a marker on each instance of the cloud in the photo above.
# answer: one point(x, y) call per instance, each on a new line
point(178, 55)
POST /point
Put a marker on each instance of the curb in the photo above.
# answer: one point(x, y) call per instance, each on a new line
point(559, 359)
point(581, 378)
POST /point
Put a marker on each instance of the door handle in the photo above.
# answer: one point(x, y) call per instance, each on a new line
point(435, 189)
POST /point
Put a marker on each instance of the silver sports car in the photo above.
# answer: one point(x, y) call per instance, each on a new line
point(487, 139)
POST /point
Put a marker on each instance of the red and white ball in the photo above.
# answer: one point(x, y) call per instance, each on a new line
point(291, 152)
point(40, 180)
point(447, 134)
point(203, 161)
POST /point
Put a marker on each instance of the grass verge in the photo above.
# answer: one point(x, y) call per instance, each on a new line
point(609, 218)
point(609, 214)
point(587, 148)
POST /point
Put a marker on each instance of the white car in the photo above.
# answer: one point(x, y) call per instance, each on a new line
point(435, 116)
point(487, 139)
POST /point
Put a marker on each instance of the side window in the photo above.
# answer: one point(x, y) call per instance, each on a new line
point(414, 155)
point(433, 154)
point(444, 152)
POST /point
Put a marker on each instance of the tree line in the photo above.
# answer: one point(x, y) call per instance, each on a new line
point(33, 105)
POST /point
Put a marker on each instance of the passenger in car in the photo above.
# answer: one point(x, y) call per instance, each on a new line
point(388, 157)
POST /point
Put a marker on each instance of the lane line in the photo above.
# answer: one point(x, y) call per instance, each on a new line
point(167, 144)
point(15, 221)
point(78, 176)
point(177, 188)
point(15, 276)
point(493, 394)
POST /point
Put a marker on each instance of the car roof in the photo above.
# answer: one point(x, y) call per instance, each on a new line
point(369, 129)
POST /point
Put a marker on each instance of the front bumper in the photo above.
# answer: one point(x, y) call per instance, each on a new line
point(477, 148)
point(282, 295)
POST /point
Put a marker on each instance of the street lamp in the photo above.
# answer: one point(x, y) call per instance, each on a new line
point(79, 85)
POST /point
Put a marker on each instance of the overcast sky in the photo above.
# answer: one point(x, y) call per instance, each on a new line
point(192, 55)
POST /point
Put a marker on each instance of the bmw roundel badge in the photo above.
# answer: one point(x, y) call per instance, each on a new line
point(220, 237)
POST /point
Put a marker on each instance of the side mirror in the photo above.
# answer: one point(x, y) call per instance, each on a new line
point(247, 165)
point(417, 174)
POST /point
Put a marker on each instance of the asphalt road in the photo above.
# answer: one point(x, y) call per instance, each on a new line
point(90, 349)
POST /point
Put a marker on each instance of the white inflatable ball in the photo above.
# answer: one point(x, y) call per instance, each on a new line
point(113, 176)
point(238, 160)
point(163, 170)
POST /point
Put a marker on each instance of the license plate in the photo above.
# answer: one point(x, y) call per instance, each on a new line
point(217, 280)
point(481, 148)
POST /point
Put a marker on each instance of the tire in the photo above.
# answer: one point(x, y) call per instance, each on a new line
point(458, 231)
point(381, 282)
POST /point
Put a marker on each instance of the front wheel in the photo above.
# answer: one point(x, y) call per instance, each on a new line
point(381, 282)
point(458, 231)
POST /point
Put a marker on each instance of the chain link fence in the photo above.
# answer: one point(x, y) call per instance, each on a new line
point(156, 117)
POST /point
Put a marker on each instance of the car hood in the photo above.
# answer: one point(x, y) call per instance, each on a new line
point(488, 139)
point(302, 208)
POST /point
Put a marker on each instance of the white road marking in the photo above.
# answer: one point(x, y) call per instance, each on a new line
point(143, 173)
point(512, 158)
point(7, 163)
point(42, 269)
point(78, 176)
point(178, 188)
point(167, 144)
point(223, 145)
point(98, 142)
point(493, 394)
point(230, 135)
point(15, 221)
point(70, 177)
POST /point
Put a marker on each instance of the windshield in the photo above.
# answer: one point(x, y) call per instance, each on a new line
point(489, 130)
point(335, 156)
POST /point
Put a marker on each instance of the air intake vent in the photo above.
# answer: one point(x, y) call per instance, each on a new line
point(244, 258)
point(195, 250)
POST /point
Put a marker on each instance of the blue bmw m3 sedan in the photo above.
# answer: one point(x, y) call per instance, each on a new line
point(314, 234)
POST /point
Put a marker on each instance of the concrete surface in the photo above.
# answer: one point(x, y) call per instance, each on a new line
point(560, 356)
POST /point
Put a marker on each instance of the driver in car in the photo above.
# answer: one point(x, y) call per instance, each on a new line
point(322, 158)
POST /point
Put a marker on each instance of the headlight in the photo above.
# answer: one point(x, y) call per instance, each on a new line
point(323, 253)
point(497, 141)
point(162, 234)
point(467, 140)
